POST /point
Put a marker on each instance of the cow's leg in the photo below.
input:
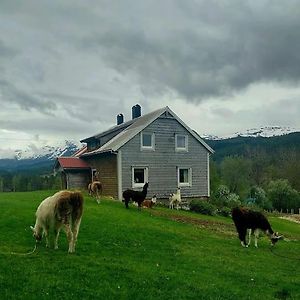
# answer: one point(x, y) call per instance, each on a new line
point(97, 196)
point(56, 235)
point(249, 237)
point(70, 237)
point(126, 202)
point(76, 226)
point(46, 232)
point(256, 235)
point(242, 235)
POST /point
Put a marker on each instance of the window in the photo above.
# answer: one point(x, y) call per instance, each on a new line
point(181, 142)
point(147, 141)
point(139, 176)
point(184, 177)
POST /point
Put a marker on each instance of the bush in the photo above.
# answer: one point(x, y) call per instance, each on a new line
point(224, 211)
point(203, 207)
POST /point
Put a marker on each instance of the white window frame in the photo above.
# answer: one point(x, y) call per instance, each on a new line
point(190, 177)
point(152, 147)
point(185, 148)
point(146, 172)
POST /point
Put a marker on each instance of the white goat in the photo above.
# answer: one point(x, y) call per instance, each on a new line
point(62, 209)
point(175, 199)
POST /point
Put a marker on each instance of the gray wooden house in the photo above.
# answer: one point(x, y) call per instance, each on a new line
point(158, 148)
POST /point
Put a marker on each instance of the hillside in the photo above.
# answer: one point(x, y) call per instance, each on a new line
point(152, 254)
point(244, 145)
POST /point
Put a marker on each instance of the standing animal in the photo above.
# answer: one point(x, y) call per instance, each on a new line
point(254, 221)
point(135, 196)
point(175, 199)
point(63, 209)
point(95, 189)
point(149, 203)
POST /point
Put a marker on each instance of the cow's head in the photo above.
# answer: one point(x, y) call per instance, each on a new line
point(36, 235)
point(275, 237)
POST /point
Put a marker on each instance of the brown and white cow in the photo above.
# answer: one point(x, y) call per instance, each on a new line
point(63, 209)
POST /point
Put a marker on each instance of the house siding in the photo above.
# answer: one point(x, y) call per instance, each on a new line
point(106, 165)
point(163, 162)
point(75, 179)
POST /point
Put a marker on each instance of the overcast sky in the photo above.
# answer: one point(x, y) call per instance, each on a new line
point(67, 68)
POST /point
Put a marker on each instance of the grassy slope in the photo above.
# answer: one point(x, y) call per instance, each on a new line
point(153, 254)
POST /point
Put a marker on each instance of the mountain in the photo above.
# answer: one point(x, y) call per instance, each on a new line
point(266, 132)
point(37, 159)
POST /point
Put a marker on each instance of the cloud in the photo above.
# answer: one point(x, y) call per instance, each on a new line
point(11, 94)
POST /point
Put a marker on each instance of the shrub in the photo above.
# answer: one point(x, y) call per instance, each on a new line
point(224, 211)
point(203, 207)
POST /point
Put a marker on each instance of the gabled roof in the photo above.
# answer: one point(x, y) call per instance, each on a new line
point(135, 126)
point(72, 163)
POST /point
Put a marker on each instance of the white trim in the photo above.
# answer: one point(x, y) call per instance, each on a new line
point(152, 147)
point(140, 184)
point(182, 149)
point(190, 177)
point(119, 172)
point(208, 176)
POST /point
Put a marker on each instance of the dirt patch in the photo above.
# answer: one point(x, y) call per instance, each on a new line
point(292, 218)
point(215, 226)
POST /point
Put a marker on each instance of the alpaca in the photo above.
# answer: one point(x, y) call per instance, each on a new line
point(175, 199)
point(149, 203)
point(135, 196)
point(95, 188)
point(254, 221)
point(62, 209)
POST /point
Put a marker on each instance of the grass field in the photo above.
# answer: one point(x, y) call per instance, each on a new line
point(153, 254)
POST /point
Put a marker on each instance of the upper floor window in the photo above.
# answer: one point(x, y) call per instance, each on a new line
point(181, 142)
point(147, 141)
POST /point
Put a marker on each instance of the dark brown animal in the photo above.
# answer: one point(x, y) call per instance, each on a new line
point(149, 203)
point(254, 221)
point(135, 196)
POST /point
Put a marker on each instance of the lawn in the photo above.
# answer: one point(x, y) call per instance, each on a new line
point(152, 254)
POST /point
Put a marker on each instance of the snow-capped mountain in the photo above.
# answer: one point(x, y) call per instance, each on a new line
point(267, 132)
point(50, 152)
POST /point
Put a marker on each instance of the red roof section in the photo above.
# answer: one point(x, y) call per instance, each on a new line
point(73, 163)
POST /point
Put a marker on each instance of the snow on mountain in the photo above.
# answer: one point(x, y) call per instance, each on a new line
point(64, 148)
point(267, 131)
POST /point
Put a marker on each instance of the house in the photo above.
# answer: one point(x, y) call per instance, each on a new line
point(157, 147)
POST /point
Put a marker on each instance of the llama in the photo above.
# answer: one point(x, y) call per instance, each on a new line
point(135, 196)
point(149, 203)
point(254, 221)
point(95, 188)
point(175, 199)
point(62, 209)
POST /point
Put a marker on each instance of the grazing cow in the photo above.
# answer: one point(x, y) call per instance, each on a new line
point(149, 203)
point(254, 221)
point(95, 189)
point(175, 199)
point(62, 209)
point(135, 196)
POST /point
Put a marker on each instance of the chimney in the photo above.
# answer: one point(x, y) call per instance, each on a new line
point(136, 111)
point(120, 119)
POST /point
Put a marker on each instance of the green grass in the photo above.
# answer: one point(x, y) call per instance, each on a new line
point(153, 254)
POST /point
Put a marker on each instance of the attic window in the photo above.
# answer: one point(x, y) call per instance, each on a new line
point(147, 141)
point(181, 142)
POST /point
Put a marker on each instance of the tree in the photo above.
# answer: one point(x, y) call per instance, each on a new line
point(235, 172)
point(282, 195)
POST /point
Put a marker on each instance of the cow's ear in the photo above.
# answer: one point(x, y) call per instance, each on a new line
point(32, 228)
